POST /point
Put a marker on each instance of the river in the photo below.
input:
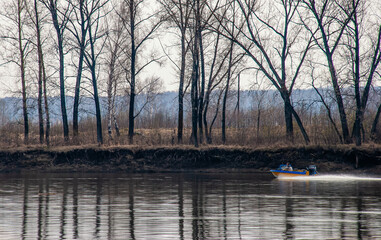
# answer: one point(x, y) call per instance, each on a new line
point(188, 206)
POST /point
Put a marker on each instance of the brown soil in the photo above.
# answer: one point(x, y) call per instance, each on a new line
point(346, 158)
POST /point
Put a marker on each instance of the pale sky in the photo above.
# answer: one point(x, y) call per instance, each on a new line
point(9, 73)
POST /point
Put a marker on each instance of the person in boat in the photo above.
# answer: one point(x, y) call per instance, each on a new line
point(287, 167)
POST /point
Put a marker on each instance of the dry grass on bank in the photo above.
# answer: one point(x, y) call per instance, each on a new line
point(370, 148)
point(11, 137)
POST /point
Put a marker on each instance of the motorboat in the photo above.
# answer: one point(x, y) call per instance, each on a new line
point(286, 170)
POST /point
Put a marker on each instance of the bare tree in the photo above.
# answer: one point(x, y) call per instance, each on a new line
point(229, 76)
point(217, 74)
point(201, 23)
point(191, 18)
point(93, 15)
point(200, 89)
point(41, 79)
point(41, 74)
point(205, 38)
point(79, 29)
point(46, 104)
point(195, 79)
point(140, 27)
point(22, 50)
point(179, 12)
point(275, 59)
point(115, 43)
point(331, 21)
point(60, 18)
point(355, 45)
point(16, 15)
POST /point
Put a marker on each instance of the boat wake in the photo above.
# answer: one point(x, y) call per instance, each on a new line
point(332, 178)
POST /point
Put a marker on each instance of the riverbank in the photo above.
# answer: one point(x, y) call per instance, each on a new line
point(365, 159)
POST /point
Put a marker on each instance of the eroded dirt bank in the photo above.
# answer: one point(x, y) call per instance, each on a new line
point(136, 159)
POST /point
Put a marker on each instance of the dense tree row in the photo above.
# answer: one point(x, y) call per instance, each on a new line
point(104, 48)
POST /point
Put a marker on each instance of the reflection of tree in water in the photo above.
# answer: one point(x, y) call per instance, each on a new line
point(131, 208)
point(40, 204)
point(98, 207)
point(195, 210)
point(360, 227)
point(224, 211)
point(210, 209)
point(25, 208)
point(239, 215)
point(194, 207)
point(110, 222)
point(181, 209)
point(75, 208)
point(289, 227)
point(63, 210)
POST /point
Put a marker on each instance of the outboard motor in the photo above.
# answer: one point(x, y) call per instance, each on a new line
point(312, 169)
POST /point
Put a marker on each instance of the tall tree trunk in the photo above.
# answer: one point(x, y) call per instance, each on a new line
point(194, 94)
point(22, 72)
point(131, 117)
point(76, 97)
point(361, 101)
point(111, 91)
point(223, 117)
point(238, 116)
point(339, 100)
point(195, 75)
point(180, 120)
point(289, 113)
point(373, 131)
point(284, 90)
point(359, 111)
point(97, 106)
point(47, 128)
point(202, 87)
point(53, 11)
point(113, 112)
point(116, 125)
point(46, 102)
point(288, 118)
point(62, 94)
point(92, 66)
point(40, 74)
point(329, 55)
point(300, 124)
point(204, 117)
point(79, 71)
point(224, 101)
point(109, 99)
point(109, 125)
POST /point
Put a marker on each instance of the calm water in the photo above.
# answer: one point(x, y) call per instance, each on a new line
point(188, 206)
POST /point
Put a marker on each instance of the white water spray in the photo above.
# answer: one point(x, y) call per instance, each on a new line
point(333, 178)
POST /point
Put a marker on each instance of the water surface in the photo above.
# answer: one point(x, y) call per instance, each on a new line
point(188, 206)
